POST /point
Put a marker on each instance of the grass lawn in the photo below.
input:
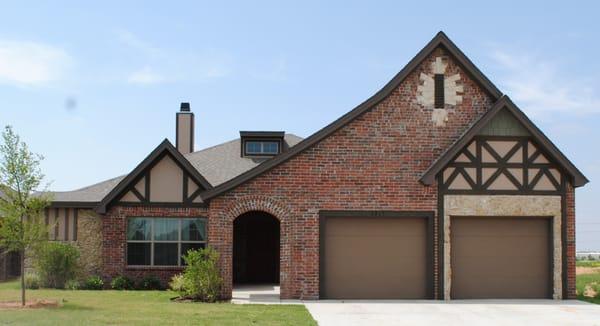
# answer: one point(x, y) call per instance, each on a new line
point(590, 276)
point(142, 307)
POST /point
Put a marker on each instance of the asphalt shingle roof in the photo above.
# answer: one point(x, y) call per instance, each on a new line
point(217, 164)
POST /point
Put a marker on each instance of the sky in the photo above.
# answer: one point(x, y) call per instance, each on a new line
point(94, 86)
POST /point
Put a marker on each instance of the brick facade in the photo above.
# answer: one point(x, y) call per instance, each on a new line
point(114, 229)
point(373, 163)
point(570, 242)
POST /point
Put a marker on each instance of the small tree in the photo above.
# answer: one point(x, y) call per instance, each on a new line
point(22, 227)
point(201, 278)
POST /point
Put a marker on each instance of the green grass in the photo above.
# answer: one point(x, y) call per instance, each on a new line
point(588, 263)
point(582, 281)
point(142, 307)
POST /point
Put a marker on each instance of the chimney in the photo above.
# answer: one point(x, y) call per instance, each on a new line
point(184, 129)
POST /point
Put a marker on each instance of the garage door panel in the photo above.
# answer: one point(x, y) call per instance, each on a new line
point(500, 257)
point(500, 246)
point(374, 258)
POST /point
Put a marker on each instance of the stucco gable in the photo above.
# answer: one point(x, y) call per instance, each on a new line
point(165, 176)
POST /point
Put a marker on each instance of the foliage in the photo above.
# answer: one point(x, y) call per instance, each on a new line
point(149, 282)
point(121, 283)
point(592, 280)
point(72, 285)
point(176, 283)
point(57, 263)
point(22, 227)
point(32, 281)
point(93, 283)
point(201, 278)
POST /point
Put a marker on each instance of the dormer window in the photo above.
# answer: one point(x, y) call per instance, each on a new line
point(262, 147)
point(261, 143)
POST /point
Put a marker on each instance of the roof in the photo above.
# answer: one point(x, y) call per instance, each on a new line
point(504, 103)
point(440, 40)
point(216, 164)
point(274, 134)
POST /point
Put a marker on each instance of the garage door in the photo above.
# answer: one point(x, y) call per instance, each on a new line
point(373, 258)
point(500, 258)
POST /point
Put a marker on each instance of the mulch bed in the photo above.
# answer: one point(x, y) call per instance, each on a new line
point(36, 304)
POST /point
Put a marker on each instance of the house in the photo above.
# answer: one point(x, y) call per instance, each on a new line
point(436, 187)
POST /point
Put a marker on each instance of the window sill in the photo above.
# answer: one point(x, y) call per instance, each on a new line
point(154, 267)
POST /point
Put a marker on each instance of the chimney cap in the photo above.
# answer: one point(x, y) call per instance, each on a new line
point(185, 107)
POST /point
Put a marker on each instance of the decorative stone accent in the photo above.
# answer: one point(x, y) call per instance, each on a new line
point(490, 205)
point(89, 241)
point(426, 91)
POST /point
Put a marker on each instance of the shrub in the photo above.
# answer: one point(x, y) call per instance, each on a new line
point(93, 283)
point(201, 278)
point(56, 264)
point(149, 282)
point(72, 285)
point(121, 283)
point(176, 283)
point(32, 281)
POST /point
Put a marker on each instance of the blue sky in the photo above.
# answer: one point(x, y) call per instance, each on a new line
point(94, 87)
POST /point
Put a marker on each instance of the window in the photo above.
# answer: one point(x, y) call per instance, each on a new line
point(163, 241)
point(262, 147)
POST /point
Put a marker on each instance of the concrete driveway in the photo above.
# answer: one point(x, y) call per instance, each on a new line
point(457, 312)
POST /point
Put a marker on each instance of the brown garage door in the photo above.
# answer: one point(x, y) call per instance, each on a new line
point(373, 258)
point(500, 258)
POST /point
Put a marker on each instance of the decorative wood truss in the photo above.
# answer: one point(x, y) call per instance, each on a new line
point(163, 178)
point(502, 165)
point(165, 181)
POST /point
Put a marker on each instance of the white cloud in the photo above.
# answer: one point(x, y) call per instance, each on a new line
point(167, 65)
point(145, 76)
point(30, 63)
point(538, 86)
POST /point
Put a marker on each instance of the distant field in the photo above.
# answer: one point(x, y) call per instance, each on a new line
point(588, 263)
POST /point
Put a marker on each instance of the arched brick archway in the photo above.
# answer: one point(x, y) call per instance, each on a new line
point(256, 241)
point(221, 231)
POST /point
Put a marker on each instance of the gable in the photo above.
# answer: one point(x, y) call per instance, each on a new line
point(419, 90)
point(506, 164)
point(504, 124)
point(164, 177)
point(493, 133)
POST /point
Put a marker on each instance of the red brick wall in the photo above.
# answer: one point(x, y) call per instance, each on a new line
point(570, 242)
point(114, 229)
point(373, 163)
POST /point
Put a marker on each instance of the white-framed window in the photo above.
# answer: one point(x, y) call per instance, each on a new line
point(162, 241)
point(262, 147)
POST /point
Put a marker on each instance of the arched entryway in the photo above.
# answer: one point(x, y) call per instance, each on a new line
point(256, 248)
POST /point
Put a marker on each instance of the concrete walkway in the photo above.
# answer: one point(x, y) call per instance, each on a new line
point(428, 312)
point(258, 294)
point(458, 312)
